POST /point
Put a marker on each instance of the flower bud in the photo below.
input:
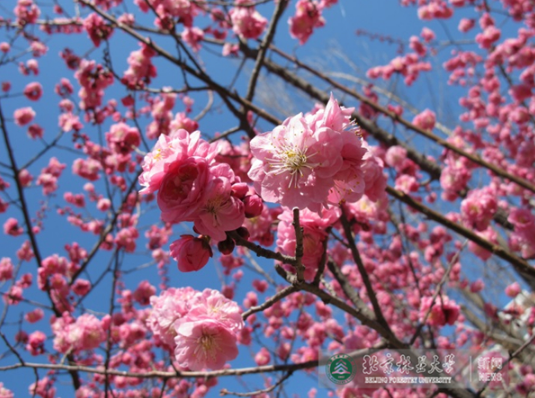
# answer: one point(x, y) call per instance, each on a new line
point(226, 246)
point(191, 253)
point(243, 232)
point(253, 206)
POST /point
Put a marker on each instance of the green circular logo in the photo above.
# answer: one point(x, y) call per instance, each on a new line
point(339, 369)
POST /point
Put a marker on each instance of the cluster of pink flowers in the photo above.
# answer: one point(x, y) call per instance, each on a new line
point(314, 233)
point(308, 17)
point(26, 12)
point(140, 68)
point(524, 237)
point(183, 10)
point(97, 29)
point(246, 21)
point(315, 160)
point(479, 207)
point(94, 79)
point(443, 311)
point(85, 333)
point(48, 178)
point(193, 187)
point(200, 327)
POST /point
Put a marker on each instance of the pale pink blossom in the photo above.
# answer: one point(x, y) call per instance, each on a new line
point(263, 357)
point(395, 155)
point(6, 269)
point(307, 17)
point(513, 290)
point(425, 120)
point(12, 227)
point(24, 116)
point(247, 22)
point(211, 304)
point(204, 344)
point(171, 305)
point(4, 392)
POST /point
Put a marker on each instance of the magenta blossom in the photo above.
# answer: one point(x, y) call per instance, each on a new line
point(191, 253)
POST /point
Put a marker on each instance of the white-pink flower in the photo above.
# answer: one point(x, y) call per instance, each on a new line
point(314, 160)
point(204, 344)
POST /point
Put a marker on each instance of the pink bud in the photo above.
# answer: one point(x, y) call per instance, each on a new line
point(239, 190)
point(253, 206)
point(513, 290)
point(191, 253)
point(263, 357)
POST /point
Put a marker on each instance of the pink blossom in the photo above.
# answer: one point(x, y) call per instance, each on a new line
point(81, 287)
point(33, 91)
point(6, 269)
point(220, 210)
point(169, 152)
point(34, 316)
point(313, 225)
point(43, 388)
point(395, 155)
point(12, 227)
point(24, 116)
point(247, 22)
point(97, 29)
point(425, 120)
point(479, 208)
point(490, 35)
point(263, 357)
point(36, 342)
point(181, 121)
point(252, 206)
point(210, 304)
point(87, 168)
point(85, 333)
point(5, 47)
point(193, 37)
point(490, 235)
point(27, 12)
point(513, 290)
point(444, 311)
point(122, 138)
point(167, 308)
point(466, 24)
point(285, 163)
point(307, 17)
point(183, 189)
point(35, 131)
point(144, 292)
point(4, 392)
point(191, 253)
point(204, 344)
point(427, 34)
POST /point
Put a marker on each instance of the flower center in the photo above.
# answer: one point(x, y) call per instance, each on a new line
point(207, 344)
point(292, 160)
